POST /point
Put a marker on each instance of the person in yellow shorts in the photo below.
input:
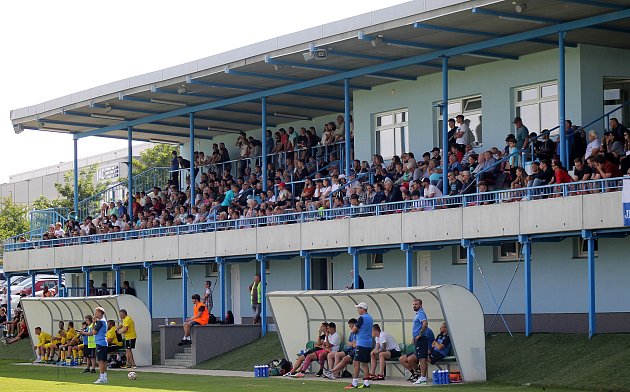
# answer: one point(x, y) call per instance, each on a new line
point(128, 329)
point(55, 343)
point(72, 339)
point(79, 348)
point(43, 338)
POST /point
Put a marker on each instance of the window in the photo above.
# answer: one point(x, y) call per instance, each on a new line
point(391, 133)
point(470, 108)
point(581, 248)
point(212, 269)
point(537, 105)
point(375, 261)
point(460, 255)
point(174, 272)
point(267, 267)
point(144, 274)
point(508, 251)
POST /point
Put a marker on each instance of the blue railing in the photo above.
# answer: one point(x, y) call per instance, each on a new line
point(41, 219)
point(606, 116)
point(428, 204)
point(155, 176)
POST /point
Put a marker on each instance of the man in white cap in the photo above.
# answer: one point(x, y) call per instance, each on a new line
point(363, 331)
point(99, 331)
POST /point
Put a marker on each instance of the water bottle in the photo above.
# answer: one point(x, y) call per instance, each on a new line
point(256, 370)
point(266, 371)
point(447, 379)
point(435, 377)
point(441, 377)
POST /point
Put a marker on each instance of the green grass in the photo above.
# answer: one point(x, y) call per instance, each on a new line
point(46, 379)
point(570, 361)
point(245, 358)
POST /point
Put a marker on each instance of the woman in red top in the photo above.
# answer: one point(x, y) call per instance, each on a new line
point(560, 176)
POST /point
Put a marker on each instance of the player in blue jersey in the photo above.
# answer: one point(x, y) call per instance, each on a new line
point(363, 331)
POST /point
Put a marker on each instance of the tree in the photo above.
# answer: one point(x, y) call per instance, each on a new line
point(42, 203)
point(13, 220)
point(87, 186)
point(159, 155)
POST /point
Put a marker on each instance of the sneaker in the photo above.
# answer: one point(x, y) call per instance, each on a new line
point(100, 381)
point(413, 377)
point(327, 374)
point(350, 387)
point(134, 367)
point(93, 371)
point(319, 373)
point(288, 374)
point(363, 386)
point(86, 370)
point(187, 342)
point(181, 342)
point(299, 375)
point(421, 381)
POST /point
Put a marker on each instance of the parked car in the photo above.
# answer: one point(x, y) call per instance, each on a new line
point(24, 285)
point(39, 285)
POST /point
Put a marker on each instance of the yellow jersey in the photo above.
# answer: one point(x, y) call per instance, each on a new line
point(131, 328)
point(43, 338)
point(71, 333)
point(111, 334)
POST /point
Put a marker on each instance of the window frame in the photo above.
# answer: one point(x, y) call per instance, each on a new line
point(171, 274)
point(580, 248)
point(539, 100)
point(463, 103)
point(499, 258)
point(404, 142)
point(144, 274)
point(210, 270)
point(457, 259)
point(372, 261)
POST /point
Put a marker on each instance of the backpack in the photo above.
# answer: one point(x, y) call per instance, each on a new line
point(279, 367)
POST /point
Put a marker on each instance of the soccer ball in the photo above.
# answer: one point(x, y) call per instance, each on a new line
point(132, 375)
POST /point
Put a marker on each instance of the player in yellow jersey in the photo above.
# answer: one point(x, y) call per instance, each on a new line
point(43, 338)
point(72, 339)
point(128, 329)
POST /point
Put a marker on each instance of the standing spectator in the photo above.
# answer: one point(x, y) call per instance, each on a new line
point(207, 296)
point(363, 330)
point(419, 334)
point(99, 331)
point(255, 296)
point(126, 289)
point(462, 135)
point(351, 285)
point(522, 133)
point(175, 170)
point(617, 128)
point(452, 129)
point(128, 330)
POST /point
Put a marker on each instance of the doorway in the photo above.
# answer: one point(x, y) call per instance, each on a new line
point(321, 274)
point(235, 285)
point(616, 93)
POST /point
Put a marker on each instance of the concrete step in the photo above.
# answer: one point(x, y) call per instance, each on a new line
point(183, 356)
point(177, 363)
point(187, 350)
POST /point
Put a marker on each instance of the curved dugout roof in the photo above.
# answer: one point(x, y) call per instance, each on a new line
point(299, 314)
point(47, 312)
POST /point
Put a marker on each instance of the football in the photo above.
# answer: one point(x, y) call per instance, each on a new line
point(132, 375)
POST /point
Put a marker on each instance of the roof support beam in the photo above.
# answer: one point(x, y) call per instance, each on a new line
point(364, 56)
point(420, 45)
point(541, 20)
point(327, 68)
point(448, 29)
point(422, 58)
point(595, 3)
point(231, 71)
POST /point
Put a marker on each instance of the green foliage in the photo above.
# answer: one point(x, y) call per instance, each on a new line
point(13, 219)
point(42, 203)
point(158, 156)
point(87, 186)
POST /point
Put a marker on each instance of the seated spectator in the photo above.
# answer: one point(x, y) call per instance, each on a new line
point(430, 190)
point(305, 358)
point(612, 145)
point(625, 159)
point(594, 145)
point(520, 180)
point(385, 348)
point(114, 341)
point(546, 148)
point(441, 346)
point(337, 361)
point(541, 174)
point(201, 316)
point(468, 183)
point(454, 184)
point(605, 168)
point(560, 174)
point(43, 338)
point(21, 332)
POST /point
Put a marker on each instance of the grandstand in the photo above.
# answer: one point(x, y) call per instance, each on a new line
point(330, 127)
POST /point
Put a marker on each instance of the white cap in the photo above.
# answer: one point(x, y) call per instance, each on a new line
point(101, 309)
point(361, 305)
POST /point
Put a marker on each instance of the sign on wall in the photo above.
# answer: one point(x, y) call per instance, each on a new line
point(625, 201)
point(108, 172)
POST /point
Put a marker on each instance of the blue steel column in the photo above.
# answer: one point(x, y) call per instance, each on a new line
point(263, 162)
point(130, 173)
point(527, 256)
point(60, 291)
point(263, 293)
point(75, 167)
point(32, 283)
point(222, 279)
point(307, 268)
point(355, 267)
point(118, 282)
point(445, 125)
point(86, 273)
point(149, 268)
point(561, 99)
point(590, 237)
point(470, 260)
point(346, 122)
point(191, 120)
point(9, 297)
point(408, 264)
point(182, 263)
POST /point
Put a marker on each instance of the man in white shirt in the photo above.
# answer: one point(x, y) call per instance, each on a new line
point(385, 348)
point(462, 133)
point(430, 190)
point(332, 341)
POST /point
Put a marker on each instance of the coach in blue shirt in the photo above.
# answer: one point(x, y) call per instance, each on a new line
point(99, 331)
point(420, 339)
point(363, 331)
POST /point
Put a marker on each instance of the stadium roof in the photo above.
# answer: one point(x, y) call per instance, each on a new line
point(402, 42)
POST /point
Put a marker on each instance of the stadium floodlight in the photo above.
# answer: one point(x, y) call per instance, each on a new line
point(165, 102)
point(107, 117)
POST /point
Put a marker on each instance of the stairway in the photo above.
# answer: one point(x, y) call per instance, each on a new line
point(181, 360)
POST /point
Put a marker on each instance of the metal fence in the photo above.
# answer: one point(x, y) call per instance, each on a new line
point(422, 204)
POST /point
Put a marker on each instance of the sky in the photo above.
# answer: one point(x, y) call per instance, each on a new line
point(53, 48)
